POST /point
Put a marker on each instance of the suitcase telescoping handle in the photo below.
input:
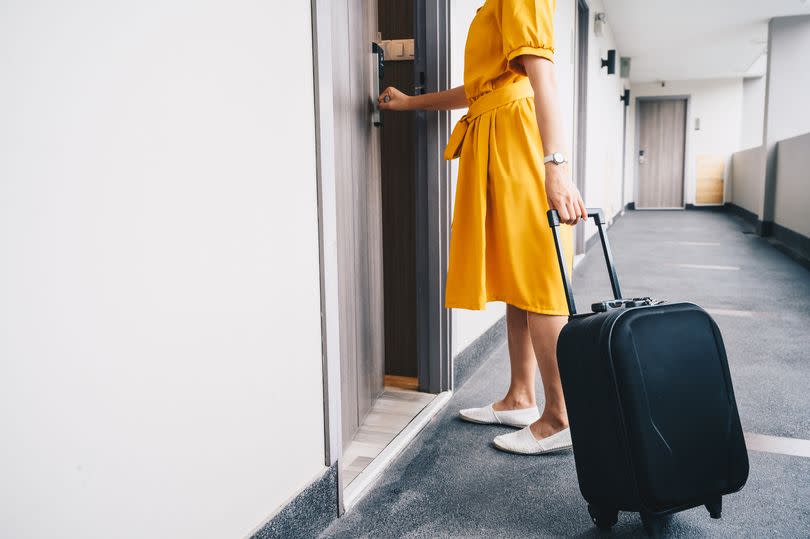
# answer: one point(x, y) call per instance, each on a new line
point(598, 219)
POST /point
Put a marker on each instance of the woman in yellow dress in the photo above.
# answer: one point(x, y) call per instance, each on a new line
point(512, 169)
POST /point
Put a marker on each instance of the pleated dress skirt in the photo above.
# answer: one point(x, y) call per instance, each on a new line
point(501, 246)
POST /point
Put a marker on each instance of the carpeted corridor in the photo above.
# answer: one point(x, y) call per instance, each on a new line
point(451, 481)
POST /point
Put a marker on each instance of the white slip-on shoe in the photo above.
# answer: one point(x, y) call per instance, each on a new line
point(488, 416)
point(523, 442)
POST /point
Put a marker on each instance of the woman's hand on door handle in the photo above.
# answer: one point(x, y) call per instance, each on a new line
point(393, 99)
point(454, 98)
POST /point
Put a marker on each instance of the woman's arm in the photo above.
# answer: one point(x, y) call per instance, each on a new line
point(562, 194)
point(455, 98)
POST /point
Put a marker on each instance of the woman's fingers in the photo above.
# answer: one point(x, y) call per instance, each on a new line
point(583, 209)
point(392, 99)
point(564, 197)
point(385, 98)
point(562, 212)
point(573, 212)
point(570, 211)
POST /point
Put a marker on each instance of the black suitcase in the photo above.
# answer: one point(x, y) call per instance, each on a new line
point(653, 419)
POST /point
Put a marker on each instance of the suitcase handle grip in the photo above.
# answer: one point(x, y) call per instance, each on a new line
point(598, 219)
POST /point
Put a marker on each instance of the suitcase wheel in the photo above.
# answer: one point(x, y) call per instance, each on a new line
point(715, 507)
point(604, 518)
point(653, 525)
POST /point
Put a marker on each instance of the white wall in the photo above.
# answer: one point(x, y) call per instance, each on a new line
point(603, 169)
point(753, 113)
point(748, 170)
point(717, 102)
point(468, 325)
point(792, 197)
point(787, 113)
point(158, 267)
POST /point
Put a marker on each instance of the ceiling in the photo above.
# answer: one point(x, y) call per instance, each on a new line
point(695, 39)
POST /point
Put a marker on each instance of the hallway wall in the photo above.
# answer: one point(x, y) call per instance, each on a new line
point(603, 176)
point(747, 173)
point(753, 113)
point(792, 197)
point(717, 102)
point(787, 113)
point(159, 276)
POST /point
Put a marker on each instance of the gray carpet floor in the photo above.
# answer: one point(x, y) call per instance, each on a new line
point(451, 481)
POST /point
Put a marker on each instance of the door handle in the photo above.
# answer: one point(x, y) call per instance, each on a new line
point(377, 68)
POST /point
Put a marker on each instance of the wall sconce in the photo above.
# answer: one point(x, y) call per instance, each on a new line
point(599, 23)
point(610, 62)
point(624, 67)
point(625, 97)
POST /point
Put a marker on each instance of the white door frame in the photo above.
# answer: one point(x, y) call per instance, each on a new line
point(327, 225)
point(582, 30)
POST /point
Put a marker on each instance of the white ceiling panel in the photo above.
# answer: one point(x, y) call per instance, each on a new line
point(694, 39)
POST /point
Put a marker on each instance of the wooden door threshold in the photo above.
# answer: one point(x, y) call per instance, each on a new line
point(402, 382)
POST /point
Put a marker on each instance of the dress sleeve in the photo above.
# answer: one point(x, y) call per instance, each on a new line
point(527, 27)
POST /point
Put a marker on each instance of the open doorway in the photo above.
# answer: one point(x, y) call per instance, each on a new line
point(392, 219)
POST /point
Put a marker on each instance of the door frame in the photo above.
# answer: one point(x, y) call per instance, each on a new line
point(327, 226)
point(432, 219)
point(432, 199)
point(637, 144)
point(582, 31)
point(625, 106)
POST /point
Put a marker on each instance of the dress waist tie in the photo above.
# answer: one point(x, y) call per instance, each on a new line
point(489, 101)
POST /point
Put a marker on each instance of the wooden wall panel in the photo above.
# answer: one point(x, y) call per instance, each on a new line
point(709, 183)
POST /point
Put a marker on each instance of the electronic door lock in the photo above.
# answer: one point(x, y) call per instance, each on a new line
point(377, 71)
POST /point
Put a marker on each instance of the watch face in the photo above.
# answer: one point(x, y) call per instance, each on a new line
point(558, 157)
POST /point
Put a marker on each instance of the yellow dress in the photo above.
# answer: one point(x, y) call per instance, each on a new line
point(501, 247)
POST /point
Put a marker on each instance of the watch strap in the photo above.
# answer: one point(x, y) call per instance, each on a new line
point(550, 158)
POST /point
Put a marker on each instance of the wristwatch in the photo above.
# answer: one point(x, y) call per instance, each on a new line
point(557, 158)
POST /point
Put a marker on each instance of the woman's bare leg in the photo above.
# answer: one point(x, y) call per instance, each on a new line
point(521, 361)
point(545, 330)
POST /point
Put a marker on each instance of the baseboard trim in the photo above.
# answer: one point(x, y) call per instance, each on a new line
point(792, 243)
point(466, 362)
point(765, 228)
point(307, 514)
point(749, 216)
point(705, 207)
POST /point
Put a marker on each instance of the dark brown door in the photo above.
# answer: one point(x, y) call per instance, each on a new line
point(396, 22)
